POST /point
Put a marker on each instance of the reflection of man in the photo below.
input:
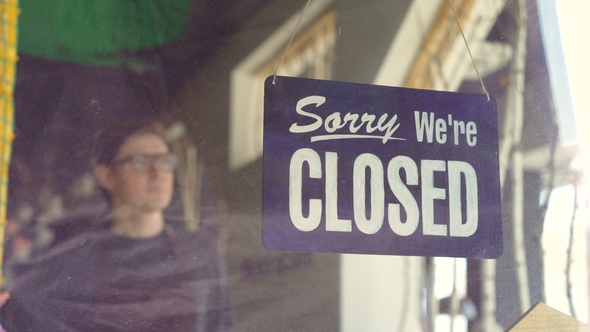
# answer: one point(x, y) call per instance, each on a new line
point(140, 274)
point(139, 182)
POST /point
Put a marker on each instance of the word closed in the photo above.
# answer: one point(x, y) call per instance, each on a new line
point(459, 173)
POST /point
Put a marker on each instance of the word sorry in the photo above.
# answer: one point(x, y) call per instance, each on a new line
point(457, 172)
point(335, 121)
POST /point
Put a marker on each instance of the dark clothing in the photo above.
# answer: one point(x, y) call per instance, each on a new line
point(100, 281)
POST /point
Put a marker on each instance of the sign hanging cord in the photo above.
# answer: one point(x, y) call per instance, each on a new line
point(274, 76)
point(483, 87)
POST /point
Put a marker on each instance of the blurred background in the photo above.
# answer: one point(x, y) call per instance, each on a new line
point(198, 67)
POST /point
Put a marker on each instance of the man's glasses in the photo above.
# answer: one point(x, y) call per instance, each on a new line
point(143, 162)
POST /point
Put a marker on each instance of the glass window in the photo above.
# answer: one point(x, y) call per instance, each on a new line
point(132, 163)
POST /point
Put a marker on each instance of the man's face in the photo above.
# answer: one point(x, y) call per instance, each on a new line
point(147, 190)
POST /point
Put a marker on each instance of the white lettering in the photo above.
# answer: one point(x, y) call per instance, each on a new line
point(441, 129)
point(368, 119)
point(373, 224)
point(458, 128)
point(429, 194)
point(457, 227)
point(333, 223)
point(424, 125)
point(352, 118)
point(334, 122)
point(403, 195)
point(369, 212)
point(318, 101)
point(388, 127)
point(471, 130)
point(312, 221)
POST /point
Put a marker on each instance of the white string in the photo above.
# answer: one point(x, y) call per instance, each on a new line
point(274, 78)
point(483, 87)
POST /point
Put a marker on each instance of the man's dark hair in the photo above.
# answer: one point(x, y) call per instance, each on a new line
point(109, 142)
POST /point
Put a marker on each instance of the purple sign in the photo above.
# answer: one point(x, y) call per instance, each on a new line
point(357, 168)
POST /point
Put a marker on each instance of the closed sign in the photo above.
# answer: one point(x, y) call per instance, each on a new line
point(354, 168)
